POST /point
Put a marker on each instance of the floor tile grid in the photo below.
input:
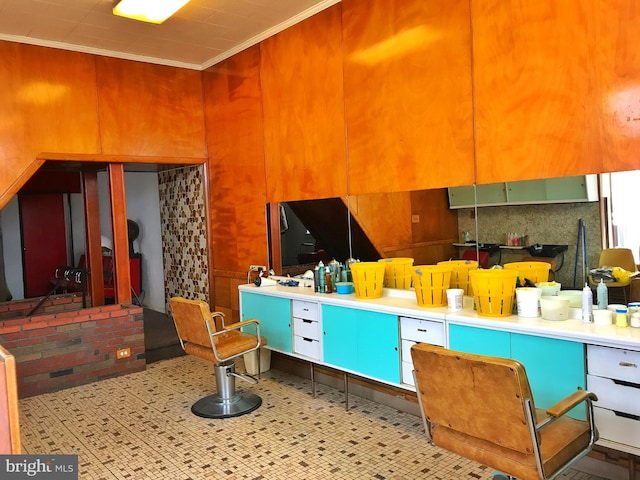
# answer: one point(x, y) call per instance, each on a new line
point(143, 428)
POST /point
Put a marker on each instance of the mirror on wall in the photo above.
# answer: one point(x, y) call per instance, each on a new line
point(308, 231)
point(423, 225)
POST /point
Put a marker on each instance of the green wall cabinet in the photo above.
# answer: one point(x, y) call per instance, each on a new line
point(581, 188)
point(362, 341)
point(555, 367)
point(274, 314)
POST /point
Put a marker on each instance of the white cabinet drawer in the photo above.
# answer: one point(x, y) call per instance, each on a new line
point(423, 331)
point(407, 373)
point(406, 350)
point(613, 363)
point(307, 347)
point(614, 396)
point(617, 428)
point(306, 328)
point(307, 310)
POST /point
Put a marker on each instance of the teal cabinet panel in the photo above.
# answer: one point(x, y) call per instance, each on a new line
point(480, 341)
point(340, 329)
point(556, 368)
point(378, 345)
point(274, 314)
point(362, 341)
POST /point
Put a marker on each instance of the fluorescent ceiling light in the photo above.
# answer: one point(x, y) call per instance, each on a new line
point(152, 11)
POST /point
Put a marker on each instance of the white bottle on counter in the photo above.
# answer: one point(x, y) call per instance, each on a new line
point(587, 304)
point(603, 295)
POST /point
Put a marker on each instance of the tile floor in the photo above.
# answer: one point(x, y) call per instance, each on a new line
point(140, 426)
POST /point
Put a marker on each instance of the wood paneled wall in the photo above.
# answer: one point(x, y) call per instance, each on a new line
point(303, 99)
point(236, 174)
point(48, 100)
point(149, 110)
point(407, 76)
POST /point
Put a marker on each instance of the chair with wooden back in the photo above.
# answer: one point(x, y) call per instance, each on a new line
point(481, 408)
point(200, 335)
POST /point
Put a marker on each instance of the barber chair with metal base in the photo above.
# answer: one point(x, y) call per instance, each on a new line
point(200, 335)
point(481, 408)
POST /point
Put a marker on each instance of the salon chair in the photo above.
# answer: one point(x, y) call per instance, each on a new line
point(617, 257)
point(481, 408)
point(205, 335)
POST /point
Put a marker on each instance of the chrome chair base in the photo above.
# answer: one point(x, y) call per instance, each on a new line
point(214, 406)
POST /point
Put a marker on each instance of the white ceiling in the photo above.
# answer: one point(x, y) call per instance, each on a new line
point(202, 33)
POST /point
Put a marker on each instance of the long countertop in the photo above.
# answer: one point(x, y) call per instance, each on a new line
point(403, 303)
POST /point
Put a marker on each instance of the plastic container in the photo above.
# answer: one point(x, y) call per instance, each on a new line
point(535, 272)
point(454, 298)
point(431, 283)
point(460, 273)
point(493, 291)
point(621, 317)
point(549, 288)
point(368, 279)
point(528, 302)
point(602, 317)
point(251, 361)
point(574, 296)
point(344, 287)
point(397, 272)
point(554, 308)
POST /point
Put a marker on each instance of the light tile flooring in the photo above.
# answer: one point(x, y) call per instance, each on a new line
point(140, 426)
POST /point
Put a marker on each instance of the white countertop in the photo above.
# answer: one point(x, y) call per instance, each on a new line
point(403, 303)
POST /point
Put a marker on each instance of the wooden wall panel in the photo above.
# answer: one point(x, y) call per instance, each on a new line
point(618, 61)
point(236, 182)
point(48, 100)
point(415, 224)
point(150, 110)
point(407, 77)
point(304, 110)
point(535, 97)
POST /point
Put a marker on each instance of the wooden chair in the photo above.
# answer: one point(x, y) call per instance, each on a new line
point(221, 344)
point(481, 408)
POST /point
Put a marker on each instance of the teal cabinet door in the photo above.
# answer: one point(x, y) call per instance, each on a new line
point(274, 314)
point(479, 341)
point(555, 368)
point(339, 337)
point(362, 341)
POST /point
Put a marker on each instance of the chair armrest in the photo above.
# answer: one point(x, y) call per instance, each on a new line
point(235, 326)
point(567, 403)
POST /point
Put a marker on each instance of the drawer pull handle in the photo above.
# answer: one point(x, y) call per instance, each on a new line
point(625, 384)
point(304, 320)
point(307, 339)
point(424, 330)
point(305, 309)
point(627, 364)
point(626, 415)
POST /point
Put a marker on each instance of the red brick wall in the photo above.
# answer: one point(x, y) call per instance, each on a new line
point(67, 348)
point(53, 304)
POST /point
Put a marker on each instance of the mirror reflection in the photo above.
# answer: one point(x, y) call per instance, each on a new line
point(427, 225)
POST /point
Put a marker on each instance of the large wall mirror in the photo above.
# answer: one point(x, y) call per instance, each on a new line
point(423, 225)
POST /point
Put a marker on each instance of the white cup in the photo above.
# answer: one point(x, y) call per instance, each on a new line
point(454, 298)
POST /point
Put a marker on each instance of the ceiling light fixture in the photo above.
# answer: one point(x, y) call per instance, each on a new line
point(152, 11)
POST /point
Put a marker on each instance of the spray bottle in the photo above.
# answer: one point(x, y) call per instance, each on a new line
point(587, 304)
point(603, 295)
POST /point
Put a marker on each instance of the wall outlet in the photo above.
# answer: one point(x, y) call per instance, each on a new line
point(257, 268)
point(123, 353)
